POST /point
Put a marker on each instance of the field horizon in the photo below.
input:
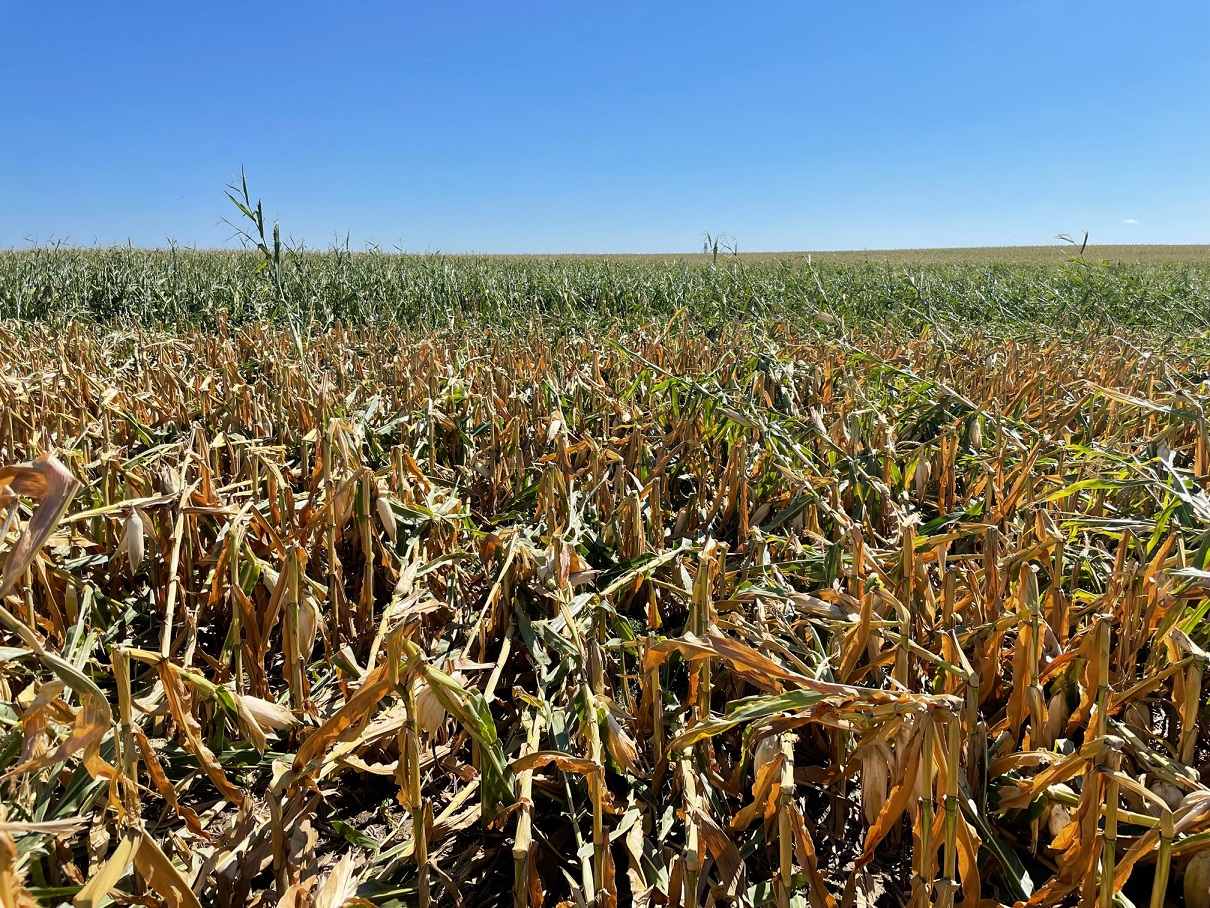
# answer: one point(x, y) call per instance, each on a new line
point(1041, 252)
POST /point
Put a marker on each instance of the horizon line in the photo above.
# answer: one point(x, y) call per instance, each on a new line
point(374, 248)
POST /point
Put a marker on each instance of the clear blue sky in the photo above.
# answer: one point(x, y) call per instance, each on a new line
point(609, 127)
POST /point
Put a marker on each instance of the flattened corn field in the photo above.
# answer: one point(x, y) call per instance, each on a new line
point(597, 583)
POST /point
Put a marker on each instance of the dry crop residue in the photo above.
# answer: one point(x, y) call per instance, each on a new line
point(642, 618)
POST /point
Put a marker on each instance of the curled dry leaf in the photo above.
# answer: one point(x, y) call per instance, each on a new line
point(48, 481)
point(12, 880)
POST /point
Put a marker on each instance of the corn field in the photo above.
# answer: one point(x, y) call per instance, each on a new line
point(782, 613)
point(1161, 289)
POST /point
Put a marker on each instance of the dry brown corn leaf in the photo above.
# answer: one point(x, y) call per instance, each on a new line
point(359, 708)
point(159, 779)
point(897, 801)
point(162, 876)
point(177, 697)
point(116, 866)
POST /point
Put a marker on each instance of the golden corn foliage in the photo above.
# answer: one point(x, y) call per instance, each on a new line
point(647, 617)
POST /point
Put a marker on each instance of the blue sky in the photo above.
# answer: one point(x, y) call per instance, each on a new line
point(609, 127)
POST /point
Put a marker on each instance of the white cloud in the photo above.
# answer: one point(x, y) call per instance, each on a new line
point(1130, 221)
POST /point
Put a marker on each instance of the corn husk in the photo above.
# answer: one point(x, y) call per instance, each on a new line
point(268, 714)
point(1169, 793)
point(875, 777)
point(1057, 714)
point(621, 746)
point(386, 516)
point(924, 469)
point(1057, 819)
point(430, 713)
point(1197, 881)
point(132, 542)
point(975, 436)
